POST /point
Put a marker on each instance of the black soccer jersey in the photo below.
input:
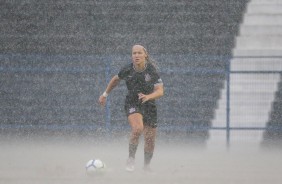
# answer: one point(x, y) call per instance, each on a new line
point(139, 82)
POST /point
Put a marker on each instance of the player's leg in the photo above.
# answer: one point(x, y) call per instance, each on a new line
point(136, 123)
point(150, 137)
point(150, 129)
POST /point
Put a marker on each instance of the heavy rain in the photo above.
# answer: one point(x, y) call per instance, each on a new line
point(219, 120)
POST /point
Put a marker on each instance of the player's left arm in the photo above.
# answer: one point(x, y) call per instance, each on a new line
point(157, 93)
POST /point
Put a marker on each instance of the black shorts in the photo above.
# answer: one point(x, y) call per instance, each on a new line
point(148, 111)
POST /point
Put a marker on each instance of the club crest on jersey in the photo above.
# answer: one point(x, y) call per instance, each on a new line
point(147, 77)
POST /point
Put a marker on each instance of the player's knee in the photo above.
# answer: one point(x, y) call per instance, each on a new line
point(137, 130)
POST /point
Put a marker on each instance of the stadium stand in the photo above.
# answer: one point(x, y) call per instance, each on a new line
point(50, 93)
point(257, 54)
point(54, 52)
point(274, 132)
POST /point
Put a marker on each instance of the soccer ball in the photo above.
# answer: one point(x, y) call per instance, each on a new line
point(94, 167)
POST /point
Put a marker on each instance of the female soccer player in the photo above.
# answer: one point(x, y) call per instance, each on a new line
point(144, 86)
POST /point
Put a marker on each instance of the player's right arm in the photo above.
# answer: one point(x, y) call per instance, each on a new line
point(112, 84)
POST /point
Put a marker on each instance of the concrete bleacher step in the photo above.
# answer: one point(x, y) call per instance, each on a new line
point(121, 8)
point(186, 35)
point(260, 30)
point(68, 30)
point(249, 78)
point(250, 89)
point(261, 42)
point(277, 104)
point(198, 79)
point(196, 94)
point(257, 64)
point(263, 19)
point(250, 110)
point(276, 117)
point(188, 113)
point(122, 16)
point(77, 45)
point(124, 3)
point(265, 2)
point(237, 98)
point(265, 9)
point(265, 86)
point(238, 122)
point(256, 52)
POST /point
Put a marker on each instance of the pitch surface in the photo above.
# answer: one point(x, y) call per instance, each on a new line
point(40, 161)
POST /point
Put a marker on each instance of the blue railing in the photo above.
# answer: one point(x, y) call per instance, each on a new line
point(108, 68)
point(230, 72)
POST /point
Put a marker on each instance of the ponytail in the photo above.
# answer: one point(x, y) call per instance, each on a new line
point(150, 60)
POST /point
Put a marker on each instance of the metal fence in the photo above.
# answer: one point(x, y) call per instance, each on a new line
point(261, 75)
point(256, 78)
point(229, 122)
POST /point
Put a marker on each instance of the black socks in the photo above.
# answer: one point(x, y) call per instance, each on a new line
point(147, 157)
point(132, 150)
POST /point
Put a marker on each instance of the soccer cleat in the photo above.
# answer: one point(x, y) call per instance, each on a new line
point(130, 164)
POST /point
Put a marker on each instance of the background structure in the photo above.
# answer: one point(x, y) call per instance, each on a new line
point(220, 61)
point(221, 64)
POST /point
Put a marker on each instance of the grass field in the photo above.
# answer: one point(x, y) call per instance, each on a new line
point(62, 161)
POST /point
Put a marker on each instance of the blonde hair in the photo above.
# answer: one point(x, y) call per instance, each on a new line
point(149, 59)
